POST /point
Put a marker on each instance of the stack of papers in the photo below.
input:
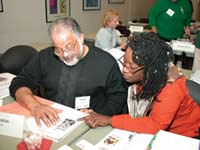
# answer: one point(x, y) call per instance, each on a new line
point(183, 46)
point(5, 80)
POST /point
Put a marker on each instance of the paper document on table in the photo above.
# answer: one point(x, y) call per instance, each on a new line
point(120, 139)
point(15, 108)
point(5, 80)
point(183, 46)
point(117, 54)
point(4, 92)
point(18, 109)
point(164, 140)
point(68, 122)
point(11, 124)
point(1, 102)
point(65, 147)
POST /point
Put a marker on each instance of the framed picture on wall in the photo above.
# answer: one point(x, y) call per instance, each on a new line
point(1, 6)
point(91, 4)
point(116, 1)
point(57, 9)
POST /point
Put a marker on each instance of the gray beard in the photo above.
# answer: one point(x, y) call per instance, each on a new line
point(75, 60)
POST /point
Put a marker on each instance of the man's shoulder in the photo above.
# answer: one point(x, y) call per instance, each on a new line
point(100, 53)
point(46, 51)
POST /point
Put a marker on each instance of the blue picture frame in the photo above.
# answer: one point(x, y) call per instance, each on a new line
point(116, 1)
point(91, 5)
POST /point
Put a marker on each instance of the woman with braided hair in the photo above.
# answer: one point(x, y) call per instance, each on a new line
point(158, 98)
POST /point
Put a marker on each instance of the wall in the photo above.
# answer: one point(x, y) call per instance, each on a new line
point(23, 22)
point(194, 3)
point(140, 8)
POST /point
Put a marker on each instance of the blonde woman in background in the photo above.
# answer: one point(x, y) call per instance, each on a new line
point(107, 37)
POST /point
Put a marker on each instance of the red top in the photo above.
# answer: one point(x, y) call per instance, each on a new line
point(174, 110)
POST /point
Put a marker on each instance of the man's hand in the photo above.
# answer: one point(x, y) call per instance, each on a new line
point(39, 111)
point(154, 29)
point(46, 113)
point(94, 119)
point(187, 30)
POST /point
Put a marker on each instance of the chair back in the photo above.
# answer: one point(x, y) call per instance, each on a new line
point(15, 58)
point(193, 88)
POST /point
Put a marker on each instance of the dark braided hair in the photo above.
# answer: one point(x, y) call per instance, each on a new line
point(155, 55)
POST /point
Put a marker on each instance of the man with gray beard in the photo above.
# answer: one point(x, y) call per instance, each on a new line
point(72, 74)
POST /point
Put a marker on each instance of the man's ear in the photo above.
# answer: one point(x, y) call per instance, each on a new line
point(81, 36)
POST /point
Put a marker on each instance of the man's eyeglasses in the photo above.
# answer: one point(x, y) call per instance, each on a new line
point(68, 48)
point(129, 66)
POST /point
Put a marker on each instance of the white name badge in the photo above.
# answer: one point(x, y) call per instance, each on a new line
point(170, 12)
point(136, 28)
point(11, 124)
point(82, 102)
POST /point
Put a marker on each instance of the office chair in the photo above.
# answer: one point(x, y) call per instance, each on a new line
point(15, 58)
point(89, 42)
point(193, 88)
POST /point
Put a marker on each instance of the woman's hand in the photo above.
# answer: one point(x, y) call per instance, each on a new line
point(94, 119)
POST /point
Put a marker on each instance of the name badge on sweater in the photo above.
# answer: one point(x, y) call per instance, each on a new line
point(170, 12)
point(82, 102)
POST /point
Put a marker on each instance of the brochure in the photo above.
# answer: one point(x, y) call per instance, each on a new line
point(68, 119)
point(68, 122)
point(120, 139)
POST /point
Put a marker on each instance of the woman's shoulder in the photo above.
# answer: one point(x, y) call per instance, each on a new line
point(103, 30)
point(176, 88)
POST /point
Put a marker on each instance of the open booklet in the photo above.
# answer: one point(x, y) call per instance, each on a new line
point(68, 119)
point(68, 122)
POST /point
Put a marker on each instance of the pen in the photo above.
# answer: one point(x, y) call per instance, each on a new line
point(149, 147)
point(130, 137)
